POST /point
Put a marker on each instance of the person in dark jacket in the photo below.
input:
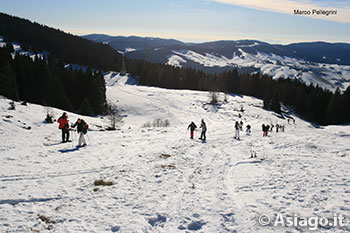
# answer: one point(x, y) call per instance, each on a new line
point(82, 128)
point(248, 130)
point(64, 126)
point(204, 130)
point(265, 129)
point(192, 127)
point(237, 129)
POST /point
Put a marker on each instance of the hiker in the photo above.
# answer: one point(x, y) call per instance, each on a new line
point(271, 128)
point(288, 120)
point(248, 130)
point(64, 126)
point(265, 129)
point(192, 127)
point(82, 128)
point(277, 128)
point(239, 115)
point(241, 125)
point(237, 128)
point(204, 130)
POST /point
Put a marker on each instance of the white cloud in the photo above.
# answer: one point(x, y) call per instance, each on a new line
point(288, 7)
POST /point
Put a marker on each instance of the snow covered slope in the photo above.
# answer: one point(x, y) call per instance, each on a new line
point(164, 181)
point(319, 63)
point(327, 76)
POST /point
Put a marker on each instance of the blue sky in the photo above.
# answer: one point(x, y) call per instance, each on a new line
point(191, 20)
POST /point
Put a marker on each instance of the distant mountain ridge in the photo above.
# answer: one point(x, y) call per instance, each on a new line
point(322, 63)
point(121, 43)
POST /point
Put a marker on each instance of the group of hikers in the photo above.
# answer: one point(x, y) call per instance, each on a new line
point(203, 126)
point(267, 128)
point(82, 128)
point(238, 127)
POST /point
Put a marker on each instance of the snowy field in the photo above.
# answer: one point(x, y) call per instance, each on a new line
point(163, 180)
point(327, 76)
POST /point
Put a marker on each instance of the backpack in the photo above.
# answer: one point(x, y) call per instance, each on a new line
point(86, 127)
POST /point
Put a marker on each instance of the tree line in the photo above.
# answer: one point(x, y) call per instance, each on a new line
point(311, 102)
point(48, 82)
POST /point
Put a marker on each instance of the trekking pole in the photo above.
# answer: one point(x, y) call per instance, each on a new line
point(73, 135)
point(71, 132)
point(87, 135)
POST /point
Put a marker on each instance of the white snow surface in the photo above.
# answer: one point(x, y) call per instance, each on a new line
point(198, 187)
point(175, 60)
point(327, 76)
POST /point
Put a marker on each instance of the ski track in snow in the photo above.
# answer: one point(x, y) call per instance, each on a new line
point(210, 186)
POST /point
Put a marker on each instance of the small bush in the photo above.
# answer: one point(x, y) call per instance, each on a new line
point(114, 115)
point(147, 125)
point(164, 156)
point(103, 183)
point(168, 166)
point(44, 218)
point(157, 123)
point(213, 98)
point(49, 116)
point(12, 105)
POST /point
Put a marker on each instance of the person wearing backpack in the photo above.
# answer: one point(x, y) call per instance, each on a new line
point(192, 127)
point(248, 130)
point(64, 126)
point(204, 130)
point(237, 129)
point(82, 128)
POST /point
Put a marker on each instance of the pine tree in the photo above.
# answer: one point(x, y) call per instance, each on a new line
point(8, 84)
point(267, 100)
point(275, 103)
point(334, 110)
point(346, 105)
point(85, 108)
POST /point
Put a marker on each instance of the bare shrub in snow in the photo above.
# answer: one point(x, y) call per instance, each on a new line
point(114, 115)
point(157, 123)
point(49, 116)
point(213, 98)
point(12, 105)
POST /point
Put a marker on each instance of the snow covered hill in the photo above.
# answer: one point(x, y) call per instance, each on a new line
point(320, 63)
point(163, 180)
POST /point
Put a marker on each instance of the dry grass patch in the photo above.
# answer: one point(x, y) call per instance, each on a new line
point(164, 156)
point(101, 182)
point(44, 218)
point(168, 166)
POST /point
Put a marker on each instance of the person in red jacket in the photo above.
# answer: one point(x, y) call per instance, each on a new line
point(64, 126)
